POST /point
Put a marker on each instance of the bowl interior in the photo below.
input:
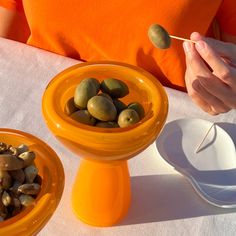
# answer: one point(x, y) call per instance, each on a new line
point(139, 88)
point(143, 88)
point(52, 174)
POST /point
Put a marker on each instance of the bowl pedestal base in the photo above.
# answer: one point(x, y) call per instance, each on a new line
point(101, 193)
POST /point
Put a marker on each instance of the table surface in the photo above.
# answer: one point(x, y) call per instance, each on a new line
point(163, 201)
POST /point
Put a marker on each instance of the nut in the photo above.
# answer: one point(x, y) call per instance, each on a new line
point(26, 200)
point(5, 180)
point(3, 147)
point(22, 148)
point(30, 173)
point(6, 199)
point(18, 175)
point(28, 157)
point(19, 179)
point(31, 189)
point(10, 162)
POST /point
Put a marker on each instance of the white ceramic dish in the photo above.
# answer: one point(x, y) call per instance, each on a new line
point(211, 171)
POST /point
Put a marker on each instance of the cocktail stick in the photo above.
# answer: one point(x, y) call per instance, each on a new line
point(199, 146)
point(183, 39)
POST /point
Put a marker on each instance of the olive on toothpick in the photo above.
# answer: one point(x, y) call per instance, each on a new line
point(161, 38)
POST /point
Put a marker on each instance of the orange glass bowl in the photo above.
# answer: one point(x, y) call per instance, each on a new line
point(31, 220)
point(101, 192)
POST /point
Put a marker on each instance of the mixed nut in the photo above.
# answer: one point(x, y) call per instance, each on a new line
point(19, 179)
point(99, 104)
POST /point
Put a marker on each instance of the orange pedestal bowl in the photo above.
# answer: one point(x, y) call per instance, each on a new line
point(31, 220)
point(101, 193)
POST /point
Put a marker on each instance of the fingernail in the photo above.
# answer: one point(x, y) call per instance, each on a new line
point(201, 45)
point(187, 46)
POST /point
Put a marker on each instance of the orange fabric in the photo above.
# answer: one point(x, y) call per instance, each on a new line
point(226, 17)
point(117, 30)
point(12, 4)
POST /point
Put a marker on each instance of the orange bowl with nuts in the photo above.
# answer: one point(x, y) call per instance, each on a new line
point(31, 183)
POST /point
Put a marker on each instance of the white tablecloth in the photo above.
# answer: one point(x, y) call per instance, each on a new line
point(163, 201)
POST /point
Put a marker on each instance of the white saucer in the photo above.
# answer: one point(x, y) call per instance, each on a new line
point(211, 171)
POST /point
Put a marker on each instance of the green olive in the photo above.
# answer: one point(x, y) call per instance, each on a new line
point(159, 36)
point(138, 108)
point(94, 81)
point(114, 87)
point(128, 117)
point(120, 106)
point(83, 92)
point(102, 108)
point(83, 116)
point(70, 106)
point(106, 96)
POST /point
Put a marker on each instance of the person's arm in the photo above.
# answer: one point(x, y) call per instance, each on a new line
point(13, 25)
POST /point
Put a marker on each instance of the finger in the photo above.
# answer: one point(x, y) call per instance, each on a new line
point(201, 96)
point(219, 67)
point(224, 49)
point(220, 90)
point(202, 104)
point(195, 65)
point(194, 61)
point(216, 105)
point(194, 94)
point(210, 56)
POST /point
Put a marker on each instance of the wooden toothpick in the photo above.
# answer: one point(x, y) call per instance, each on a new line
point(199, 146)
point(183, 39)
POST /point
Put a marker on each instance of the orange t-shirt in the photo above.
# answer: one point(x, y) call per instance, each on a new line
point(116, 30)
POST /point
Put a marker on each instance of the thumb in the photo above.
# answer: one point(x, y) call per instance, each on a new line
point(226, 50)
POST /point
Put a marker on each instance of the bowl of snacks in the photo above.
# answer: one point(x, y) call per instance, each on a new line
point(31, 183)
point(106, 112)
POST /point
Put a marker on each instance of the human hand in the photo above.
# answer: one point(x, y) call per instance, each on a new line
point(211, 73)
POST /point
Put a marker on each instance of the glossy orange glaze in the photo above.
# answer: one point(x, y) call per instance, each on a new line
point(103, 144)
point(101, 193)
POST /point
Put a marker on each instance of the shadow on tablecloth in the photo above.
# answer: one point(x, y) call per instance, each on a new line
point(158, 198)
